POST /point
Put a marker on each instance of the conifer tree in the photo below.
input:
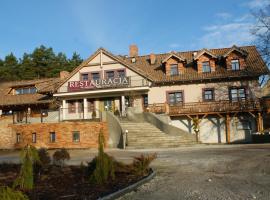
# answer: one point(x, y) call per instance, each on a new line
point(25, 180)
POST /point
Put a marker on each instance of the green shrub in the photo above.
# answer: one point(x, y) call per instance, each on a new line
point(141, 164)
point(7, 193)
point(60, 156)
point(25, 180)
point(102, 165)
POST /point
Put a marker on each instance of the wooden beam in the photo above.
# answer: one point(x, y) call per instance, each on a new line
point(218, 114)
point(228, 127)
point(259, 122)
point(252, 114)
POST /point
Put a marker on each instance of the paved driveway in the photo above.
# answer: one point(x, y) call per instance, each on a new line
point(199, 172)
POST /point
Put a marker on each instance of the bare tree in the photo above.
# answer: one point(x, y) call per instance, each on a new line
point(261, 30)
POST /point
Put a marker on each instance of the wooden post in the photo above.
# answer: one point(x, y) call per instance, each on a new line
point(259, 122)
point(228, 127)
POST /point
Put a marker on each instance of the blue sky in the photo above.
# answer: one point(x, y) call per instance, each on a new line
point(154, 25)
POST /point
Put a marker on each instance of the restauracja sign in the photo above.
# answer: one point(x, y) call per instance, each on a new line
point(100, 83)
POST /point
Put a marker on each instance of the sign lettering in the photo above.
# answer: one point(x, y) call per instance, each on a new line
point(98, 84)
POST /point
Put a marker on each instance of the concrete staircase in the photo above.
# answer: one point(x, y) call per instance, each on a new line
point(145, 135)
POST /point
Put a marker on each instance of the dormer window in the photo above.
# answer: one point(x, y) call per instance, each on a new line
point(206, 66)
point(28, 90)
point(235, 64)
point(174, 70)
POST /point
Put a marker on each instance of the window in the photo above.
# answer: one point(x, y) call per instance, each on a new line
point(145, 100)
point(237, 94)
point(52, 137)
point(71, 106)
point(174, 70)
point(84, 77)
point(29, 90)
point(243, 125)
point(206, 66)
point(18, 138)
point(110, 74)
point(208, 95)
point(121, 73)
point(95, 75)
point(235, 65)
point(34, 137)
point(76, 136)
point(175, 98)
point(80, 106)
point(91, 105)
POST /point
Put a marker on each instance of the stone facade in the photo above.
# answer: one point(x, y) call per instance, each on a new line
point(7, 137)
point(88, 132)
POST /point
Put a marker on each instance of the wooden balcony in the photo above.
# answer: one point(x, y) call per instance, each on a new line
point(205, 107)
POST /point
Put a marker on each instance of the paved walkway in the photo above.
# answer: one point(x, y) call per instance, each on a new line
point(198, 172)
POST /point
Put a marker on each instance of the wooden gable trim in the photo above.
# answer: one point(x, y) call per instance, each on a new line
point(237, 49)
point(180, 58)
point(205, 51)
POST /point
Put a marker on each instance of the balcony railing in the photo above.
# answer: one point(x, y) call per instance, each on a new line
point(205, 107)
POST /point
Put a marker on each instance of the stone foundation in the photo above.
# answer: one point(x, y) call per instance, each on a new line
point(88, 131)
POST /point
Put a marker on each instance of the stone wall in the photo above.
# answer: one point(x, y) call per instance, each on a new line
point(7, 137)
point(89, 132)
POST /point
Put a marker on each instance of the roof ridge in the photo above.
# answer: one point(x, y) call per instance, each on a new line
point(190, 51)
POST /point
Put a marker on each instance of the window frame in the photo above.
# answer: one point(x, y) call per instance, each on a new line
point(82, 76)
point(174, 66)
point(110, 71)
point(52, 139)
point(34, 137)
point(168, 93)
point(90, 105)
point(122, 70)
point(238, 98)
point(18, 138)
point(25, 90)
point(73, 138)
point(234, 69)
point(209, 66)
point(71, 107)
point(208, 89)
point(95, 72)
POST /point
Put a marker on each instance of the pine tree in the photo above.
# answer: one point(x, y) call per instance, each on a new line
point(25, 180)
point(104, 168)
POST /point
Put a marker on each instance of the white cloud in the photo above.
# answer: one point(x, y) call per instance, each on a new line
point(226, 35)
point(255, 4)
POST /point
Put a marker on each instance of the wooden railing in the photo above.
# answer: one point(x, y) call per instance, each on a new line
point(205, 107)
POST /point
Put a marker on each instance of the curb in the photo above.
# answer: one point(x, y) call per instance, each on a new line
point(130, 188)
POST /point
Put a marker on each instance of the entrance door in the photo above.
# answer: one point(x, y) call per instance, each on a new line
point(108, 104)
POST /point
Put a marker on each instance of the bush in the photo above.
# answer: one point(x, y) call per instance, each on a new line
point(7, 193)
point(25, 180)
point(44, 161)
point(44, 157)
point(102, 165)
point(141, 164)
point(60, 156)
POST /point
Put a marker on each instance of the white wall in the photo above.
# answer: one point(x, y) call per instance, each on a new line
point(213, 128)
point(193, 92)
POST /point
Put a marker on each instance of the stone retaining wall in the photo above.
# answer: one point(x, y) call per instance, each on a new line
point(88, 131)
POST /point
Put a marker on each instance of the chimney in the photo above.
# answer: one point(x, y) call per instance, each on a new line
point(152, 59)
point(133, 50)
point(64, 74)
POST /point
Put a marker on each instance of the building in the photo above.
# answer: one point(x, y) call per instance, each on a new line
point(219, 87)
point(266, 104)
